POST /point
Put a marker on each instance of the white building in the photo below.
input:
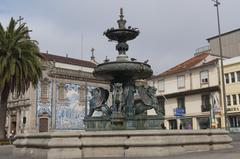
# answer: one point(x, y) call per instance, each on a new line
point(190, 93)
point(232, 86)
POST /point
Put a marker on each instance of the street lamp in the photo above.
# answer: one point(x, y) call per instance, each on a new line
point(216, 4)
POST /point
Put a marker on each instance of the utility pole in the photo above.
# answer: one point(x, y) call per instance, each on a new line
point(216, 4)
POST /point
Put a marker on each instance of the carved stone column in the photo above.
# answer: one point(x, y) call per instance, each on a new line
point(23, 115)
point(26, 125)
point(61, 92)
point(54, 103)
point(9, 123)
point(82, 93)
point(18, 121)
point(21, 120)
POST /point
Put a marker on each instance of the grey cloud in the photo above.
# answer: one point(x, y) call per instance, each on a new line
point(170, 30)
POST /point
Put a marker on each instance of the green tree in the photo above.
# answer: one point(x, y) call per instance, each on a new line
point(20, 64)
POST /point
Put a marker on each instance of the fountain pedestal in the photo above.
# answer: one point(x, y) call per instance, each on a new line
point(117, 121)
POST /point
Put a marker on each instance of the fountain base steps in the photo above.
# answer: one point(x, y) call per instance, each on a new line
point(118, 143)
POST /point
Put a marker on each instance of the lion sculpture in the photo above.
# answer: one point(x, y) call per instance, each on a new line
point(147, 100)
point(98, 101)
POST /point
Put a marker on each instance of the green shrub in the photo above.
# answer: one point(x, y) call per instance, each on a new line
point(4, 142)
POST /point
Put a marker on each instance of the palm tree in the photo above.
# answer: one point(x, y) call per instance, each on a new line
point(20, 64)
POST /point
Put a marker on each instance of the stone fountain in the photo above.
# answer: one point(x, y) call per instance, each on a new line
point(133, 134)
point(125, 112)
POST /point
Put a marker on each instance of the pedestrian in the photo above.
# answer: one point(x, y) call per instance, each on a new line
point(181, 126)
point(11, 137)
point(5, 133)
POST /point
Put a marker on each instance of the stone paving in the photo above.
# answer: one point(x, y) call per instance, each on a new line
point(234, 153)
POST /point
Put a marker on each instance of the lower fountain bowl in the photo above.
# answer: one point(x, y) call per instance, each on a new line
point(118, 71)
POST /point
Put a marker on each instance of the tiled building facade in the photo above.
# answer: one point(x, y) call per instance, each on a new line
point(60, 101)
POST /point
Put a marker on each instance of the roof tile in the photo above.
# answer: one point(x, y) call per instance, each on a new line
point(68, 60)
point(185, 65)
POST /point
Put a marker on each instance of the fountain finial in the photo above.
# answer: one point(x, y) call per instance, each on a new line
point(121, 13)
point(121, 22)
point(122, 35)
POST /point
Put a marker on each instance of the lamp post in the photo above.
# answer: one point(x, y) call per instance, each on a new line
point(216, 4)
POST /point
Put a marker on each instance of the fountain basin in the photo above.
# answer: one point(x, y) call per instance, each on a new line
point(123, 144)
point(119, 71)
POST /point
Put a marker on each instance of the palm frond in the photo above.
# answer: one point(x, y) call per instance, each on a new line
point(20, 63)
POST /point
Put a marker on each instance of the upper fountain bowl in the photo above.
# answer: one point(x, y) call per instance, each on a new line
point(122, 35)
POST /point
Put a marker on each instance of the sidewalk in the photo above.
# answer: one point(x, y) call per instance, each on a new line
point(6, 152)
point(233, 153)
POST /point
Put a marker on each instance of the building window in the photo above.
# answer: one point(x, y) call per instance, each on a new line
point(181, 81)
point(234, 121)
point(186, 123)
point(172, 124)
point(44, 90)
point(228, 100)
point(239, 99)
point(204, 77)
point(181, 103)
point(204, 123)
point(154, 84)
point(161, 102)
point(150, 83)
point(234, 98)
point(161, 85)
point(43, 125)
point(232, 77)
point(206, 103)
point(227, 78)
point(238, 76)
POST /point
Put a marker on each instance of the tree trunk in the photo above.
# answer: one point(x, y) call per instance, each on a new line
point(3, 112)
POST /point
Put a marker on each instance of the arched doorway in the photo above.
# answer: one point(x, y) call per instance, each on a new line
point(43, 125)
point(43, 122)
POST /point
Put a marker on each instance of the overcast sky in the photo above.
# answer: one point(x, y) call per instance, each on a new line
point(170, 30)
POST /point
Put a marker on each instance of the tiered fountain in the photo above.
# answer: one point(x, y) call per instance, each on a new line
point(126, 112)
point(125, 116)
